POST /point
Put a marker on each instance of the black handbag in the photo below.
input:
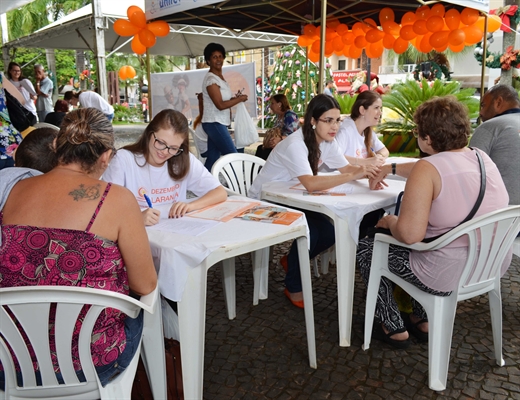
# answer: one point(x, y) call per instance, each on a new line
point(21, 118)
point(372, 232)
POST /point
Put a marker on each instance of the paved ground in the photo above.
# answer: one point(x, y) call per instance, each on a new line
point(262, 354)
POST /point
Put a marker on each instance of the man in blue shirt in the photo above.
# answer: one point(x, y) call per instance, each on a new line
point(44, 88)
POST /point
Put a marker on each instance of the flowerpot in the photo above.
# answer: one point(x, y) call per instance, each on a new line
point(400, 143)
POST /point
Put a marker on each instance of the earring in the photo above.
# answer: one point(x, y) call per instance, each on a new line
point(314, 127)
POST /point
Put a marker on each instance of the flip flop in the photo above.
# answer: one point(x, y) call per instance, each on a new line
point(414, 329)
point(379, 334)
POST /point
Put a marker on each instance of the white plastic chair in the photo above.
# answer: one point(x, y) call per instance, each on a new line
point(45, 125)
point(31, 306)
point(195, 144)
point(494, 232)
point(238, 170)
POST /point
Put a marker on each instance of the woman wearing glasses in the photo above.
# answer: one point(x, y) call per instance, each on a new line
point(355, 137)
point(24, 85)
point(298, 157)
point(159, 170)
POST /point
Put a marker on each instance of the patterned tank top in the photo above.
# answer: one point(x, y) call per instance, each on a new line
point(33, 256)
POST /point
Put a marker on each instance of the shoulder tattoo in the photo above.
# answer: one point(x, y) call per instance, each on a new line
point(85, 193)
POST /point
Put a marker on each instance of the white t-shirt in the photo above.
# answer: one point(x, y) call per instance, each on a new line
point(94, 100)
point(125, 170)
point(211, 112)
point(26, 88)
point(352, 144)
point(289, 160)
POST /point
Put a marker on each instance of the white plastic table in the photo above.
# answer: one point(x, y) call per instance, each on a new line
point(346, 212)
point(177, 256)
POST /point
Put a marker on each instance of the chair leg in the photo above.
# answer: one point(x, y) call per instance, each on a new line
point(229, 286)
point(495, 308)
point(370, 307)
point(315, 267)
point(441, 317)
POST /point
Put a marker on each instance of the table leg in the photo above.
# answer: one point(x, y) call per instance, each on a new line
point(229, 286)
point(346, 268)
point(192, 321)
point(305, 271)
point(260, 274)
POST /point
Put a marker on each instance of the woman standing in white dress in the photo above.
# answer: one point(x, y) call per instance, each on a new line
point(24, 85)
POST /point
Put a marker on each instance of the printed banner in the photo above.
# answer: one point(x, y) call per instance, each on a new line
point(158, 8)
point(177, 90)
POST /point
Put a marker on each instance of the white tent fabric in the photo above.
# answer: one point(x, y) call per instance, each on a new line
point(74, 31)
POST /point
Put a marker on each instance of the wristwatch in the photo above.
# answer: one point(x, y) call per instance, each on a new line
point(394, 165)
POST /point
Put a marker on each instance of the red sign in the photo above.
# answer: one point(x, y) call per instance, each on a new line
point(344, 79)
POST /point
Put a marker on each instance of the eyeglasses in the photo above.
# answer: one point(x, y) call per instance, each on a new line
point(16, 70)
point(415, 132)
point(331, 121)
point(160, 145)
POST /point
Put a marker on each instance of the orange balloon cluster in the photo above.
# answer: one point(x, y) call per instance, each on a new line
point(427, 29)
point(127, 72)
point(144, 33)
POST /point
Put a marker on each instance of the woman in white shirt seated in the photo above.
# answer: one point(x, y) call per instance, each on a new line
point(355, 137)
point(298, 157)
point(160, 169)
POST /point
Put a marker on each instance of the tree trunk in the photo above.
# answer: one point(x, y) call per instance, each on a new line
point(506, 77)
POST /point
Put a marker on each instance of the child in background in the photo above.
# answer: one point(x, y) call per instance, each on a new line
point(37, 150)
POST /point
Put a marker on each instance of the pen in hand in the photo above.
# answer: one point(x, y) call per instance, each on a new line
point(148, 201)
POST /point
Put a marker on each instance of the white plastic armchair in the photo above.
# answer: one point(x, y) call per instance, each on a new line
point(490, 239)
point(238, 170)
point(31, 307)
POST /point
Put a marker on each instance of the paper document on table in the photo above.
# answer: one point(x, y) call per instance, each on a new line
point(224, 211)
point(185, 225)
point(340, 190)
point(271, 215)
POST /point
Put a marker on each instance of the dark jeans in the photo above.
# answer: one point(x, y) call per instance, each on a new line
point(219, 142)
point(133, 332)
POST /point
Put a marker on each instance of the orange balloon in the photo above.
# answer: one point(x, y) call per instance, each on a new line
point(329, 48)
point(391, 27)
point(369, 24)
point(330, 34)
point(147, 38)
point(386, 15)
point(137, 46)
point(136, 16)
point(360, 42)
point(130, 72)
point(314, 57)
point(469, 16)
point(473, 34)
point(159, 28)
point(494, 23)
point(422, 12)
point(442, 49)
point(456, 37)
point(407, 32)
point(309, 30)
point(125, 28)
point(408, 18)
point(438, 9)
point(348, 38)
point(316, 47)
point(400, 45)
point(388, 41)
point(481, 21)
point(338, 44)
point(374, 50)
point(419, 27)
point(425, 45)
point(358, 29)
point(374, 35)
point(122, 73)
point(456, 49)
point(305, 41)
point(452, 19)
point(333, 24)
point(416, 41)
point(341, 29)
point(439, 39)
point(434, 23)
point(354, 52)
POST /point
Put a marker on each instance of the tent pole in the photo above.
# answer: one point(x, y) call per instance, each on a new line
point(99, 42)
point(262, 87)
point(322, 44)
point(148, 78)
point(307, 94)
point(484, 49)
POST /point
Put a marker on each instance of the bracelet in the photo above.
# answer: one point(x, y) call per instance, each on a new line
point(394, 165)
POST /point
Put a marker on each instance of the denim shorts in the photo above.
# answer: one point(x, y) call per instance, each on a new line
point(133, 331)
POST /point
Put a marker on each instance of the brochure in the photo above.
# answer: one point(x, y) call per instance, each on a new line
point(270, 214)
point(224, 211)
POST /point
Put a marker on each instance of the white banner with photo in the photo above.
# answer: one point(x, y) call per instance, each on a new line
point(177, 90)
point(158, 8)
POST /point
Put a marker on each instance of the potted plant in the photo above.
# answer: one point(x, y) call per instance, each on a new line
point(404, 99)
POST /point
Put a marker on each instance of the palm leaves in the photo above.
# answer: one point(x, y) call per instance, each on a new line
point(346, 101)
point(407, 96)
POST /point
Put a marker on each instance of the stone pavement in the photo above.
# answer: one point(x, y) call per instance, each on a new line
point(262, 354)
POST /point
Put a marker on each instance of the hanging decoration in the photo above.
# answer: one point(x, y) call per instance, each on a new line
point(127, 72)
point(510, 59)
point(509, 16)
point(144, 34)
point(427, 29)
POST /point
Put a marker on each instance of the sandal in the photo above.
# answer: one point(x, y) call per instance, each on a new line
point(379, 334)
point(414, 329)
